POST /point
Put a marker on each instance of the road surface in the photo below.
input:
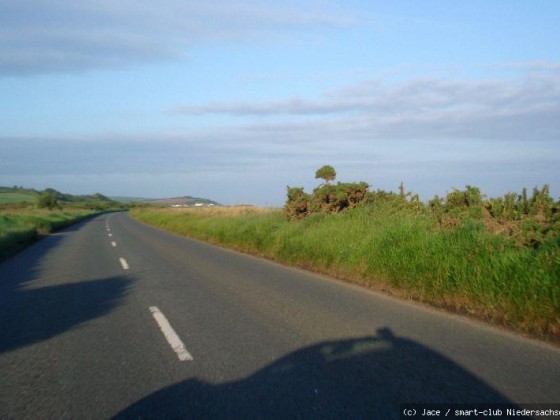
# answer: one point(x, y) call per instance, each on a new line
point(112, 318)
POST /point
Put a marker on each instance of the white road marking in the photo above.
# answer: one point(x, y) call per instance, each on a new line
point(114, 243)
point(110, 234)
point(124, 263)
point(170, 335)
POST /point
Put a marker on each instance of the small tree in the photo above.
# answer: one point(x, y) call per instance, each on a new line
point(326, 172)
point(47, 201)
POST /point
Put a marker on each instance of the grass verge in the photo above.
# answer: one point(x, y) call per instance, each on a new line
point(21, 227)
point(464, 267)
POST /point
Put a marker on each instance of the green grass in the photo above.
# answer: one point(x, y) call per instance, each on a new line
point(15, 197)
point(20, 227)
point(463, 267)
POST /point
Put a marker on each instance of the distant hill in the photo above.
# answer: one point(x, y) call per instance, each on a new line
point(130, 199)
point(186, 201)
point(15, 195)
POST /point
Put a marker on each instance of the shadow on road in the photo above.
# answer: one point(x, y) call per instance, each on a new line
point(32, 314)
point(368, 377)
point(39, 314)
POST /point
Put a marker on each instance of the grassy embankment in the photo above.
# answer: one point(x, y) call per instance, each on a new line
point(20, 227)
point(26, 213)
point(463, 266)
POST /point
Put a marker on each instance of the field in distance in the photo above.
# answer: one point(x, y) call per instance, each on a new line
point(11, 195)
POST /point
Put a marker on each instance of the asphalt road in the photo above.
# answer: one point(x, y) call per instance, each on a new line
point(112, 318)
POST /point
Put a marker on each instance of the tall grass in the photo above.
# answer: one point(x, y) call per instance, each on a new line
point(19, 226)
point(464, 267)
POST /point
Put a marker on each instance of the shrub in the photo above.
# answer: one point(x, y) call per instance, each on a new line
point(298, 204)
point(339, 197)
point(470, 197)
point(47, 201)
point(326, 198)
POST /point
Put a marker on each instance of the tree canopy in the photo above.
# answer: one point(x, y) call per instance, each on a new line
point(326, 172)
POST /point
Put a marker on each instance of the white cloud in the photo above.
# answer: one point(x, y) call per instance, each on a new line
point(524, 108)
point(541, 65)
point(38, 36)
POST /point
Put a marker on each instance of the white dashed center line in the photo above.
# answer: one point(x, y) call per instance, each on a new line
point(113, 243)
point(170, 335)
point(124, 263)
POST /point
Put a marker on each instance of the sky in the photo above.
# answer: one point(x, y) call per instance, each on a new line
point(234, 100)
